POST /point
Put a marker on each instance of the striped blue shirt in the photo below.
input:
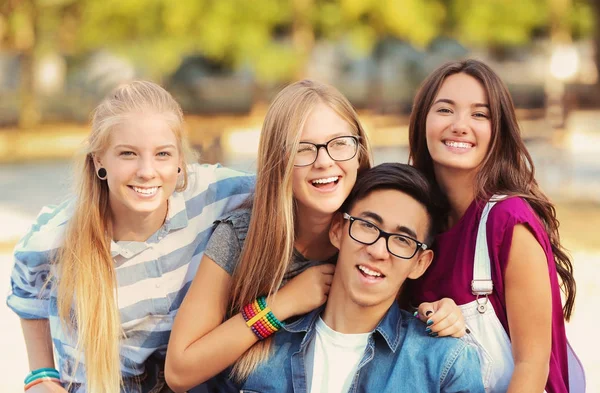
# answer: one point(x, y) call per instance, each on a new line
point(152, 276)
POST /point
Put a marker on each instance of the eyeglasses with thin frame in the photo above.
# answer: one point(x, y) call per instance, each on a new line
point(341, 148)
point(367, 233)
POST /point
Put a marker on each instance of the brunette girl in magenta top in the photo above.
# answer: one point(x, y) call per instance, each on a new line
point(464, 136)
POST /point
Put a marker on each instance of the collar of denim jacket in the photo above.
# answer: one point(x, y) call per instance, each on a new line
point(390, 326)
point(305, 323)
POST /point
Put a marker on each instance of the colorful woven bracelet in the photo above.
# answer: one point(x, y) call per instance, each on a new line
point(41, 373)
point(260, 319)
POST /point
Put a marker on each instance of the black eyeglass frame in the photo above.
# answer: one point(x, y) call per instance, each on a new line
point(385, 235)
point(320, 145)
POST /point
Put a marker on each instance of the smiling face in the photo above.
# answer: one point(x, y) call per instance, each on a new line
point(323, 186)
point(458, 125)
point(141, 163)
point(369, 275)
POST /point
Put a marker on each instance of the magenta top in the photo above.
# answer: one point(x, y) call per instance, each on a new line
point(451, 272)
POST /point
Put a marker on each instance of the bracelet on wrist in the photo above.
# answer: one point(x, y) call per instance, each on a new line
point(40, 381)
point(41, 373)
point(260, 319)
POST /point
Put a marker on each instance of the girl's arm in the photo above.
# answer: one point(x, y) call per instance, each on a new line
point(38, 343)
point(529, 309)
point(202, 345)
point(39, 351)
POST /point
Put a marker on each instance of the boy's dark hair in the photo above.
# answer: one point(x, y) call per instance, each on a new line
point(400, 177)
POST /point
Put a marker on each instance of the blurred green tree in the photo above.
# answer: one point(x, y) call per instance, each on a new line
point(157, 34)
point(32, 28)
point(272, 37)
point(275, 37)
point(496, 22)
point(501, 23)
point(367, 21)
point(18, 32)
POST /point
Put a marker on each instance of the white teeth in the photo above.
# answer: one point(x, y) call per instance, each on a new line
point(368, 271)
point(145, 191)
point(460, 145)
point(326, 180)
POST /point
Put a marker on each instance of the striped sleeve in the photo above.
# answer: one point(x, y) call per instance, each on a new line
point(29, 298)
point(218, 188)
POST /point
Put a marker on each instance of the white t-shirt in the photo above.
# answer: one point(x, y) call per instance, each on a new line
point(332, 359)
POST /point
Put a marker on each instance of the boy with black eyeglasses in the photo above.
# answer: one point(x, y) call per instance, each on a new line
point(361, 341)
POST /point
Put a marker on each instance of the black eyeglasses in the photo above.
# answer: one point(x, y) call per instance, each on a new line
point(341, 148)
point(364, 232)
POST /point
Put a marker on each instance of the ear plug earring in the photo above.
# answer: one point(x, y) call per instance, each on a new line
point(102, 174)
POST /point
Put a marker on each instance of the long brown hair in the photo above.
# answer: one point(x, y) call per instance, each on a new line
point(507, 169)
point(270, 242)
point(85, 273)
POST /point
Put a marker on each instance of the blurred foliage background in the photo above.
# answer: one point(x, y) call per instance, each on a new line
point(60, 56)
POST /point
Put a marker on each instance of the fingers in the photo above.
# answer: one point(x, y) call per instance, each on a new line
point(448, 319)
point(456, 330)
point(325, 277)
point(445, 307)
point(442, 318)
point(327, 268)
point(327, 280)
point(326, 273)
point(325, 288)
point(452, 325)
point(424, 311)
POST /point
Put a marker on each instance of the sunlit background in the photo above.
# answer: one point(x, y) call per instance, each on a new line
point(224, 60)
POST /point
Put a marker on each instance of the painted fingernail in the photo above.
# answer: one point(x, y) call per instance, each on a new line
point(416, 314)
point(430, 322)
point(468, 331)
point(428, 330)
point(433, 334)
point(428, 313)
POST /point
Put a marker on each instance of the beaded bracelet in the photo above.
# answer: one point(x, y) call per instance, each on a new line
point(46, 372)
point(260, 319)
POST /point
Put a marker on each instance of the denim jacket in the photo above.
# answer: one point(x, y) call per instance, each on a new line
point(400, 357)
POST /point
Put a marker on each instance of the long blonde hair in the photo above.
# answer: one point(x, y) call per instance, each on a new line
point(270, 241)
point(85, 273)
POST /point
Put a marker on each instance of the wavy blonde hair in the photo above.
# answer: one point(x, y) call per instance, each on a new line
point(270, 241)
point(85, 273)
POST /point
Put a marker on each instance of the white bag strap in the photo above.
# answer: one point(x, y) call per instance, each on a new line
point(482, 270)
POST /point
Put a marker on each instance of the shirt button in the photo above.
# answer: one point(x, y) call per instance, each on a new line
point(157, 285)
